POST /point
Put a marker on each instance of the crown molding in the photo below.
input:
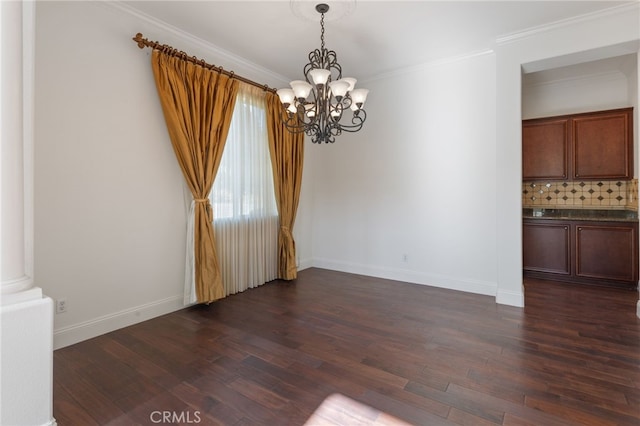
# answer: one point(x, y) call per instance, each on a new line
point(533, 31)
point(580, 80)
point(215, 50)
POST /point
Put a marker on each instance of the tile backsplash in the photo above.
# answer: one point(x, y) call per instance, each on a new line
point(605, 194)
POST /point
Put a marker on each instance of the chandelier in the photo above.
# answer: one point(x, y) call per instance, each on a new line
point(316, 106)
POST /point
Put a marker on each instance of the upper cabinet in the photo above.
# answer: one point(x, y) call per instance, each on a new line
point(595, 145)
point(545, 148)
point(603, 145)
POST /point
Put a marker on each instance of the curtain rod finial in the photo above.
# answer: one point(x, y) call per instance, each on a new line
point(138, 38)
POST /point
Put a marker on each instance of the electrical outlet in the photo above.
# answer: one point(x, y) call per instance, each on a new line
point(61, 305)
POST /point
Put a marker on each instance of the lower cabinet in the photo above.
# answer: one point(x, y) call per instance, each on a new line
point(546, 247)
point(598, 253)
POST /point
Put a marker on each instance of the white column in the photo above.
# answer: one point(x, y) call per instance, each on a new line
point(16, 178)
point(26, 317)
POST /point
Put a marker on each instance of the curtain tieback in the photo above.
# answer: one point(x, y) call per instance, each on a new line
point(207, 207)
point(286, 230)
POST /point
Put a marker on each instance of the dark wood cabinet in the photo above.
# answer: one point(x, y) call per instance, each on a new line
point(607, 251)
point(603, 145)
point(598, 253)
point(587, 146)
point(546, 247)
point(545, 149)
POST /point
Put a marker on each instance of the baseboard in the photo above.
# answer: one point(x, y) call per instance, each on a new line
point(305, 264)
point(470, 286)
point(510, 298)
point(86, 330)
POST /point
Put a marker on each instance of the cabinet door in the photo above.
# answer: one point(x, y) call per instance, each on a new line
point(546, 247)
point(545, 149)
point(607, 251)
point(603, 145)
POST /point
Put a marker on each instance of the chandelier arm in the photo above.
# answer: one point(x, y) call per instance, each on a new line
point(294, 129)
point(318, 135)
point(331, 59)
point(291, 123)
point(357, 122)
point(351, 129)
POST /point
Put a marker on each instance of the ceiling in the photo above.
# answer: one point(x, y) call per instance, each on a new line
point(370, 37)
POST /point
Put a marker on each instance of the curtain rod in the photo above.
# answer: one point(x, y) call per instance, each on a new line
point(143, 42)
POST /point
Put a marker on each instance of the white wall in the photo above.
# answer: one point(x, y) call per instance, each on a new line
point(110, 218)
point(582, 93)
point(417, 180)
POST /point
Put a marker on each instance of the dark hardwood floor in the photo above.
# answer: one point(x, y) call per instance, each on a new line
point(387, 351)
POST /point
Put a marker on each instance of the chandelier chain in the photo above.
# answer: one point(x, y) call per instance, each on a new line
point(322, 31)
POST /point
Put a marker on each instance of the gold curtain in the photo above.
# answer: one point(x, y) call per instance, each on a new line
point(197, 104)
point(287, 153)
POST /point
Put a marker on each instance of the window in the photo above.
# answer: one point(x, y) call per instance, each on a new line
point(244, 184)
point(243, 200)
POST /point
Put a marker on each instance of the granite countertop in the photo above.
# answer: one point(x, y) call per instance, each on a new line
point(581, 214)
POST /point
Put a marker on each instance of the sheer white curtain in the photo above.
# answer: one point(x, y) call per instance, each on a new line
point(243, 200)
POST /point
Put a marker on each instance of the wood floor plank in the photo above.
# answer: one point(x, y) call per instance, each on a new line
point(277, 375)
point(259, 394)
point(393, 352)
point(155, 408)
point(300, 397)
point(208, 408)
point(463, 418)
point(69, 410)
point(338, 410)
point(370, 377)
point(330, 382)
point(74, 387)
point(460, 401)
point(560, 409)
point(250, 408)
point(402, 410)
